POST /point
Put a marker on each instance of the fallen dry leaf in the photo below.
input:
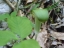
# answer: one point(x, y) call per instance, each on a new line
point(28, 1)
point(57, 35)
point(42, 38)
point(20, 13)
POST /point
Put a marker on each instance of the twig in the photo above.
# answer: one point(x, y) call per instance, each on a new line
point(10, 4)
point(18, 3)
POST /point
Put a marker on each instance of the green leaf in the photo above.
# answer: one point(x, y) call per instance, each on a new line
point(3, 16)
point(6, 36)
point(27, 44)
point(14, 13)
point(41, 14)
point(20, 25)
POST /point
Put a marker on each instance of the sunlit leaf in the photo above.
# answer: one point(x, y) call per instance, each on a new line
point(20, 25)
point(27, 44)
point(6, 36)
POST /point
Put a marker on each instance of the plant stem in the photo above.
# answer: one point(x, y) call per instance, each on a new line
point(37, 25)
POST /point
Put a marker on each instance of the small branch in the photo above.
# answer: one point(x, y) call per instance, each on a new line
point(10, 4)
point(37, 24)
point(18, 3)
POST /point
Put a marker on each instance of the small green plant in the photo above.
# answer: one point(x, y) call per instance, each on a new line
point(41, 15)
point(20, 28)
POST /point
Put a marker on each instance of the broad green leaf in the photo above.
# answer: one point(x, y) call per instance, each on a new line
point(27, 44)
point(3, 16)
point(20, 25)
point(14, 13)
point(6, 36)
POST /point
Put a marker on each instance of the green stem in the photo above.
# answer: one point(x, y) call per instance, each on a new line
point(37, 25)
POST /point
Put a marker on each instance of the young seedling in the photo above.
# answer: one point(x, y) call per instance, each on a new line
point(41, 15)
